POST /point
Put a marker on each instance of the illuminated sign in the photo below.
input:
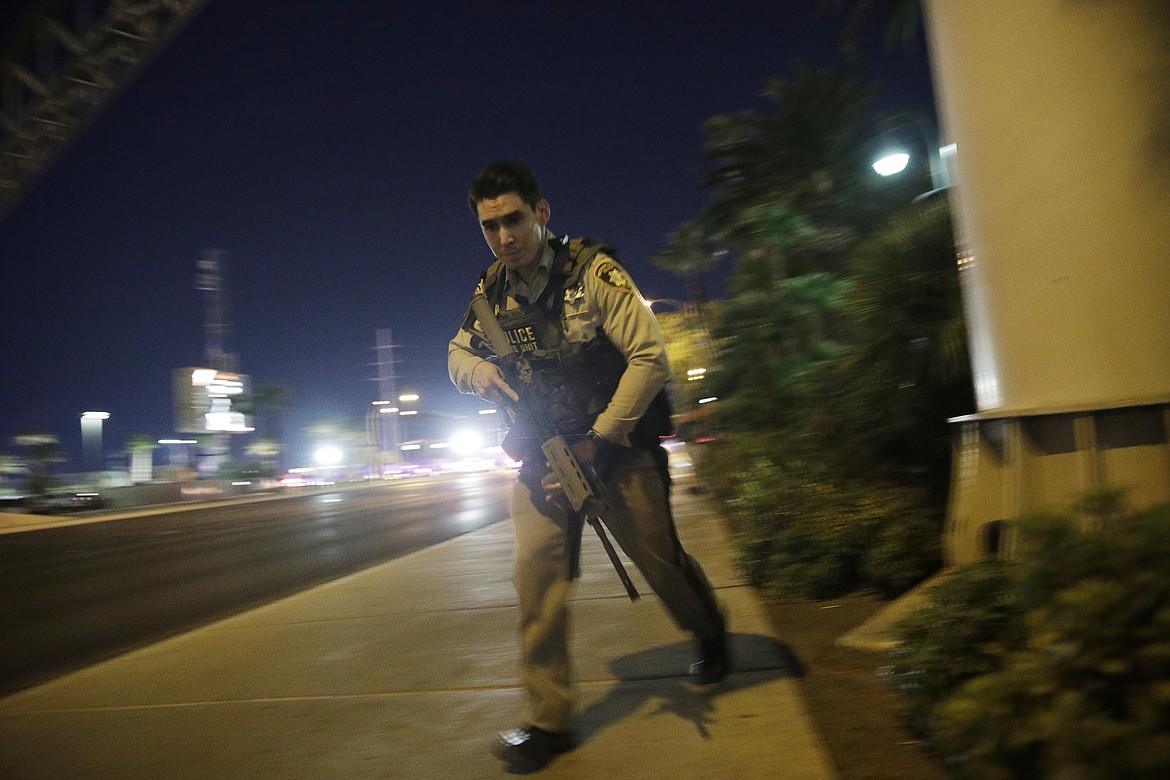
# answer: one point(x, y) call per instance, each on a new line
point(208, 401)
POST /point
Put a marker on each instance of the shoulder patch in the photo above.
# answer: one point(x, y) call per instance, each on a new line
point(612, 274)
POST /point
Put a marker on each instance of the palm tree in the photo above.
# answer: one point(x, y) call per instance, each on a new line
point(43, 451)
point(792, 196)
point(689, 253)
point(902, 21)
point(799, 174)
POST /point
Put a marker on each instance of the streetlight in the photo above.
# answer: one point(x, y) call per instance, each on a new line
point(405, 427)
point(91, 439)
point(382, 435)
point(891, 163)
point(896, 160)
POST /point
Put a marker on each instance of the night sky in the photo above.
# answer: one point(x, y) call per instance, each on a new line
point(326, 147)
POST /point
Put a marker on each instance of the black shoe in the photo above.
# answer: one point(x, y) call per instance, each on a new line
point(714, 660)
point(528, 748)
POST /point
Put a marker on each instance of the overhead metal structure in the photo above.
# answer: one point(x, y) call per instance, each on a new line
point(61, 64)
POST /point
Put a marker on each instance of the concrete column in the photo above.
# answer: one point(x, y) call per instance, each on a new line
point(1062, 120)
point(1060, 110)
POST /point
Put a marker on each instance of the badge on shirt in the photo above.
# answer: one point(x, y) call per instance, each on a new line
point(609, 272)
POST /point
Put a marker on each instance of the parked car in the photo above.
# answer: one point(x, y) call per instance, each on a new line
point(63, 503)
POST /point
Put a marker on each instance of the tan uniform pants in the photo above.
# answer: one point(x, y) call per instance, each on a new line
point(639, 520)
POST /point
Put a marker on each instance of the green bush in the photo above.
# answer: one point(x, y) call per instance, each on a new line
point(967, 624)
point(1072, 680)
point(907, 548)
point(804, 532)
point(815, 548)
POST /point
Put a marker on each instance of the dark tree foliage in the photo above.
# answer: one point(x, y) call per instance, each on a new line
point(905, 370)
point(840, 347)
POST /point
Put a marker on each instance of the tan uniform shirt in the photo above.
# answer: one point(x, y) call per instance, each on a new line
point(605, 300)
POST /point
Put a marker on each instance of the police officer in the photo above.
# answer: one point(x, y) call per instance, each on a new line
point(573, 306)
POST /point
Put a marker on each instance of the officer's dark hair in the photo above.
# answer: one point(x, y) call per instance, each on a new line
point(503, 177)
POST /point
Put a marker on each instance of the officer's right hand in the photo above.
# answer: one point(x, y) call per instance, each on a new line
point(553, 492)
point(596, 452)
point(488, 382)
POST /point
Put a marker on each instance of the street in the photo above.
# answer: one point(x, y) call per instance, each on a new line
point(76, 595)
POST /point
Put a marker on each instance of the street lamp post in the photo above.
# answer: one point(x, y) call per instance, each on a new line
point(383, 435)
point(412, 431)
point(91, 439)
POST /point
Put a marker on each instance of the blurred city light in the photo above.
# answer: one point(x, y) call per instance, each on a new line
point(649, 302)
point(467, 442)
point(210, 400)
point(328, 455)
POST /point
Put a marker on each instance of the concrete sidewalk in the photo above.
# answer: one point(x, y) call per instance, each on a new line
point(407, 670)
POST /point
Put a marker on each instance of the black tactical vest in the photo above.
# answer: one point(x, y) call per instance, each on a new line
point(573, 383)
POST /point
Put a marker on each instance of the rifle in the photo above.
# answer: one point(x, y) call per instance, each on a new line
point(581, 487)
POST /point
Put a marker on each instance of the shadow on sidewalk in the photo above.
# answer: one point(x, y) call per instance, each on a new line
point(756, 660)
